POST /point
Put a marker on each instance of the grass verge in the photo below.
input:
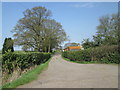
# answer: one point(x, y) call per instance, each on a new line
point(27, 77)
point(86, 62)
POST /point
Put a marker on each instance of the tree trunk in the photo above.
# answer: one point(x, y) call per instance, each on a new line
point(49, 48)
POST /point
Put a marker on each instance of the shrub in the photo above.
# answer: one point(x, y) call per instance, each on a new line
point(106, 54)
point(103, 54)
point(8, 45)
point(77, 55)
point(24, 60)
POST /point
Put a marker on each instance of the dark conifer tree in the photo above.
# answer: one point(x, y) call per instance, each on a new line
point(8, 45)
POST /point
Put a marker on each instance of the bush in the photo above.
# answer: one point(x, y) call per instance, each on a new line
point(77, 55)
point(22, 60)
point(106, 54)
point(103, 54)
point(8, 45)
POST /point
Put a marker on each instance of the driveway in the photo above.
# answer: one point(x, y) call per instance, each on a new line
point(65, 74)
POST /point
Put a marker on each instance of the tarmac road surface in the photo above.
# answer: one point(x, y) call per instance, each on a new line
point(65, 74)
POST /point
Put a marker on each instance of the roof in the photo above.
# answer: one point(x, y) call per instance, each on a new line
point(74, 47)
point(71, 44)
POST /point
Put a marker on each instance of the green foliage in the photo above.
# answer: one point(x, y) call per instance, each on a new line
point(22, 60)
point(83, 55)
point(86, 43)
point(108, 29)
point(27, 77)
point(106, 54)
point(37, 32)
point(7, 46)
point(108, 32)
point(103, 54)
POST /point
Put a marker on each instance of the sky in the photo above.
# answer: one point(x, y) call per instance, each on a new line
point(79, 19)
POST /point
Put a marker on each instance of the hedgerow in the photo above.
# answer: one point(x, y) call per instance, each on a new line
point(12, 60)
point(103, 54)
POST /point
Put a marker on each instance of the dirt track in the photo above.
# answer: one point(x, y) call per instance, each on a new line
point(64, 74)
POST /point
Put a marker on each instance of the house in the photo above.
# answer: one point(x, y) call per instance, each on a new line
point(72, 47)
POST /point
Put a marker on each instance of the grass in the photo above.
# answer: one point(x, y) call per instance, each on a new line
point(86, 62)
point(81, 62)
point(27, 77)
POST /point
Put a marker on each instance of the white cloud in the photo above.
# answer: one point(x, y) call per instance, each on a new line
point(89, 5)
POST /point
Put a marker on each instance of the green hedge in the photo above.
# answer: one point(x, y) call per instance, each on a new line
point(103, 54)
point(23, 60)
